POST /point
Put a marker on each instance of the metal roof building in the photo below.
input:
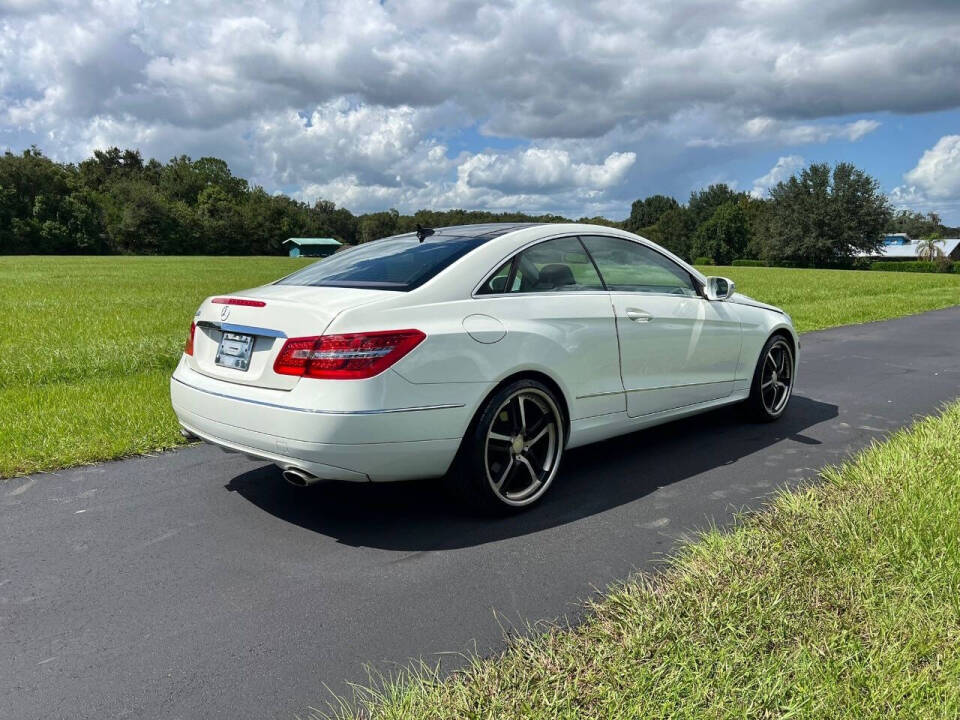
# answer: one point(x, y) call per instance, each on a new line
point(312, 247)
point(901, 247)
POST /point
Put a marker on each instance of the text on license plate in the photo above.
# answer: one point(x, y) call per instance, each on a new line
point(234, 351)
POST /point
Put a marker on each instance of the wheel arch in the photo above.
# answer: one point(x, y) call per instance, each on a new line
point(790, 336)
point(528, 374)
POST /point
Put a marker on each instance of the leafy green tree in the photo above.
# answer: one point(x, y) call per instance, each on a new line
point(674, 231)
point(647, 212)
point(221, 220)
point(704, 203)
point(724, 236)
point(84, 223)
point(110, 166)
point(184, 179)
point(41, 207)
point(262, 223)
point(598, 220)
point(916, 224)
point(819, 216)
point(340, 222)
point(147, 223)
point(378, 225)
point(756, 211)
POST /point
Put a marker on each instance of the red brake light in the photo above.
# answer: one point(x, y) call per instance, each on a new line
point(345, 357)
point(238, 301)
point(188, 348)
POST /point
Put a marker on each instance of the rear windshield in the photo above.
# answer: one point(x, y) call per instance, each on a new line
point(397, 263)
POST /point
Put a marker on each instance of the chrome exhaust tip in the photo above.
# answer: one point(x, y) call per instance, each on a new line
point(298, 477)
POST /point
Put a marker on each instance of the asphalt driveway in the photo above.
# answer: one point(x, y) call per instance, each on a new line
point(199, 584)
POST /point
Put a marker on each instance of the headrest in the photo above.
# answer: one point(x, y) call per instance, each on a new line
point(556, 275)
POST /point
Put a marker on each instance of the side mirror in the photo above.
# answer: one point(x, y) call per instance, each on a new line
point(719, 288)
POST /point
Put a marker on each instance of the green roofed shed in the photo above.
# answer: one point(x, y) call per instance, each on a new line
point(312, 247)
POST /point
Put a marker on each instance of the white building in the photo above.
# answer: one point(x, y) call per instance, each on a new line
point(899, 246)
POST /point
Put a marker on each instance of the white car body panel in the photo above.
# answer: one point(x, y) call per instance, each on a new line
point(614, 374)
point(676, 350)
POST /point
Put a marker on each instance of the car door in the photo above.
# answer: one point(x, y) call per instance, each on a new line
point(676, 348)
point(558, 316)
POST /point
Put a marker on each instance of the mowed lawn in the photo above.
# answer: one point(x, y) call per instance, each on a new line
point(87, 344)
point(818, 299)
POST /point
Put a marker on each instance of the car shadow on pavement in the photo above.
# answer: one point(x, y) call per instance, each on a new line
point(417, 516)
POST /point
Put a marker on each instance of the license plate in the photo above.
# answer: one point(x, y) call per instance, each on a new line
point(234, 351)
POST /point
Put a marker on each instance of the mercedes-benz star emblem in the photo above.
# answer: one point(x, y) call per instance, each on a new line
point(225, 313)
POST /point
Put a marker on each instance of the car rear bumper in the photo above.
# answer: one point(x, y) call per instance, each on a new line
point(396, 444)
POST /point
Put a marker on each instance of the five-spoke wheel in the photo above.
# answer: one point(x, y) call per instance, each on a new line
point(773, 379)
point(523, 446)
point(513, 450)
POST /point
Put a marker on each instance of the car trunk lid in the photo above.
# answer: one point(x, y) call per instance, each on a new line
point(238, 336)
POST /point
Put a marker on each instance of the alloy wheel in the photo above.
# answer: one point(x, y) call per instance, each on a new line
point(776, 377)
point(523, 446)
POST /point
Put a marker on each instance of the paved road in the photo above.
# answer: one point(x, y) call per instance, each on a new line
point(198, 584)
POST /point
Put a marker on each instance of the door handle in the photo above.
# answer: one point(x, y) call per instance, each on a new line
point(638, 315)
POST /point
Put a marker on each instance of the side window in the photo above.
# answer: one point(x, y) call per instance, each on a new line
point(497, 283)
point(559, 265)
point(627, 266)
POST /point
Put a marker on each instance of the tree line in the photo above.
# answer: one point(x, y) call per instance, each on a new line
point(115, 202)
point(820, 217)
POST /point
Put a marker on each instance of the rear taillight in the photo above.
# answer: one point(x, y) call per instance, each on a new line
point(345, 357)
point(188, 348)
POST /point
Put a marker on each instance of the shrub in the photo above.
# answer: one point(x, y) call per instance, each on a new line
point(703, 261)
point(748, 263)
point(919, 266)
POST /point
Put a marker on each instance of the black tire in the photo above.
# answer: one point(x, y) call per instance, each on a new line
point(769, 392)
point(512, 450)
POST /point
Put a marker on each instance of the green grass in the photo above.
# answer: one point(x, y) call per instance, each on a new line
point(87, 344)
point(841, 600)
point(818, 299)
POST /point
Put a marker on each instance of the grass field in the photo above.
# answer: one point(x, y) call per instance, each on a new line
point(839, 601)
point(87, 344)
point(818, 299)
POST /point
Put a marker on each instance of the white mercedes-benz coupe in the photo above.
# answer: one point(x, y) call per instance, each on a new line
point(475, 353)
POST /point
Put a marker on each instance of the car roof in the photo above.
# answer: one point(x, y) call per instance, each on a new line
point(499, 241)
point(478, 230)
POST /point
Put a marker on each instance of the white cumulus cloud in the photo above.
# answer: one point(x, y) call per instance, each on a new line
point(937, 174)
point(466, 101)
point(543, 169)
point(934, 183)
point(786, 166)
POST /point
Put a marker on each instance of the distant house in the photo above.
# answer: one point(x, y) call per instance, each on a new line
point(899, 246)
point(312, 247)
point(895, 239)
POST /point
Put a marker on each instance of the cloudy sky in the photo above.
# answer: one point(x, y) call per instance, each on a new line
point(573, 107)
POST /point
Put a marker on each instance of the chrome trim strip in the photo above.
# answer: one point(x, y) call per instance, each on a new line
point(600, 394)
point(664, 387)
point(319, 412)
point(242, 329)
point(671, 387)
